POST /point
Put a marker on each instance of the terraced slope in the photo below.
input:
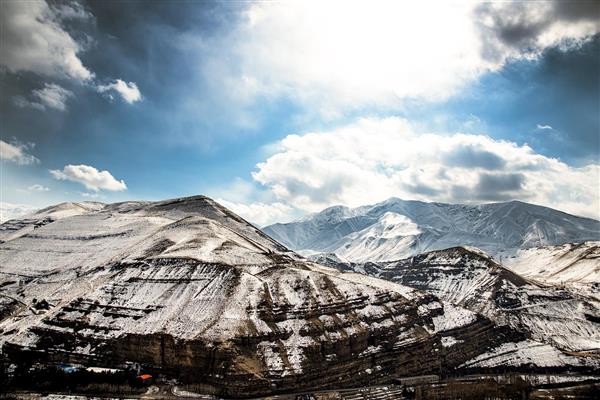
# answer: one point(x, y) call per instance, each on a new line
point(469, 278)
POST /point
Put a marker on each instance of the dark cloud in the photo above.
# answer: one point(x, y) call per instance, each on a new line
point(577, 10)
point(500, 182)
point(492, 187)
point(473, 157)
point(518, 25)
point(498, 186)
point(421, 188)
point(327, 192)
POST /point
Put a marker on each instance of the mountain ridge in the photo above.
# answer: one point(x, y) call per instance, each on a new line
point(396, 228)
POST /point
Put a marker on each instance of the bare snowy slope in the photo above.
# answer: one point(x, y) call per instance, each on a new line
point(397, 229)
point(568, 263)
point(188, 289)
point(21, 226)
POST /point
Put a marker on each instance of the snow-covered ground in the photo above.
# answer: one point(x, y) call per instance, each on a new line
point(527, 352)
point(191, 269)
point(567, 263)
point(469, 278)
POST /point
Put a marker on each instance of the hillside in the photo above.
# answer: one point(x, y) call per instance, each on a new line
point(188, 289)
point(471, 279)
point(568, 263)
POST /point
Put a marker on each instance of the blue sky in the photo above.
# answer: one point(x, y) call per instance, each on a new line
point(279, 109)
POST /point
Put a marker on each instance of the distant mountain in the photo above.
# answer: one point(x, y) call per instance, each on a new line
point(396, 229)
point(189, 290)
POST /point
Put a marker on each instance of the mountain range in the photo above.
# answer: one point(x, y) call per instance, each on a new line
point(186, 289)
point(396, 229)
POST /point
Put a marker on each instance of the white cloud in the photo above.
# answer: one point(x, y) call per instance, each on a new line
point(339, 55)
point(374, 159)
point(34, 40)
point(521, 29)
point(90, 177)
point(72, 11)
point(128, 91)
point(91, 195)
point(17, 153)
point(11, 211)
point(261, 214)
point(544, 127)
point(51, 96)
point(251, 202)
point(38, 188)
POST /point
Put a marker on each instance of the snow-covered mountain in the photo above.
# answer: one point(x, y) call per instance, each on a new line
point(396, 229)
point(564, 317)
point(188, 289)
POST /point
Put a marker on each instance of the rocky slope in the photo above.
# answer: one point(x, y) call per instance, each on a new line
point(469, 278)
point(186, 288)
point(396, 229)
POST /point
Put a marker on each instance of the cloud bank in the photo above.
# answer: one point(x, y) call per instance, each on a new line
point(374, 159)
point(89, 177)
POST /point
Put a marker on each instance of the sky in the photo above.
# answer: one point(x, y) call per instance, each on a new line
point(279, 109)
